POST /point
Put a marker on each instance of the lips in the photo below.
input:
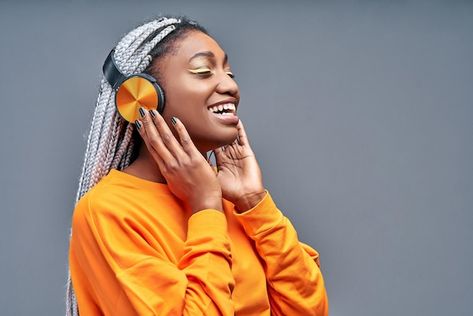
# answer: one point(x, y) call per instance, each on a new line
point(225, 118)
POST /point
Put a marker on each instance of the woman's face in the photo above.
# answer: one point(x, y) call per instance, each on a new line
point(194, 77)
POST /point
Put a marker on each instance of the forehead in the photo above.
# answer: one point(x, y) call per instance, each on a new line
point(196, 41)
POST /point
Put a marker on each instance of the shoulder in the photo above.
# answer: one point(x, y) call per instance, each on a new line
point(104, 213)
point(101, 200)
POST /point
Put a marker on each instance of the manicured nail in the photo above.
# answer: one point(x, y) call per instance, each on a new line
point(142, 112)
point(152, 113)
point(138, 124)
point(173, 120)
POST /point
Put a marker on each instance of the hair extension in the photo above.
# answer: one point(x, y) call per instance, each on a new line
point(113, 142)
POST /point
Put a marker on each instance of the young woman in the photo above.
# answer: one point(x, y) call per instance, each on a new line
point(156, 229)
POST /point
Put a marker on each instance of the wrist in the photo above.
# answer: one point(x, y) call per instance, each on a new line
point(249, 200)
point(207, 203)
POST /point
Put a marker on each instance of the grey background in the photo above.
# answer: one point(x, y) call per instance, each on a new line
point(359, 112)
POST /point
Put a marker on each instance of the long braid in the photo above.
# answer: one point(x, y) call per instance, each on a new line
point(91, 147)
point(134, 63)
point(105, 149)
point(123, 146)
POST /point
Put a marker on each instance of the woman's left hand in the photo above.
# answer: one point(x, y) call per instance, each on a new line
point(239, 173)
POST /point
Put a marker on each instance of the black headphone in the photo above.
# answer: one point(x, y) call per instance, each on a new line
point(133, 91)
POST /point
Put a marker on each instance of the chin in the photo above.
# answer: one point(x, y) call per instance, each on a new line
point(230, 139)
point(223, 139)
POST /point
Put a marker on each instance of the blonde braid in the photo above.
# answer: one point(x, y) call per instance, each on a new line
point(105, 150)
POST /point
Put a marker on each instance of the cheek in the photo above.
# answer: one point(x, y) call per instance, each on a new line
point(187, 98)
point(188, 93)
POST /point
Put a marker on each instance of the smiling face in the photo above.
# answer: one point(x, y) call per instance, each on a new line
point(195, 77)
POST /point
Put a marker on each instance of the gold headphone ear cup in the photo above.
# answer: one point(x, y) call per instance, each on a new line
point(133, 93)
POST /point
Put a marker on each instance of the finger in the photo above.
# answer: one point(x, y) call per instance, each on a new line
point(155, 141)
point(142, 132)
point(186, 141)
point(166, 135)
point(242, 138)
point(220, 155)
point(218, 158)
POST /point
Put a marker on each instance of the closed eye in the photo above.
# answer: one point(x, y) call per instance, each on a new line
point(204, 73)
point(201, 71)
point(208, 72)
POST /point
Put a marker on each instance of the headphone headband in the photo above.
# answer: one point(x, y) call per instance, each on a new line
point(111, 72)
point(138, 89)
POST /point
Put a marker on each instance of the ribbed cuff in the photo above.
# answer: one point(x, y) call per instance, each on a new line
point(263, 216)
point(206, 220)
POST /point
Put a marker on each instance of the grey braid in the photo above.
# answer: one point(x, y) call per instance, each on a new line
point(110, 143)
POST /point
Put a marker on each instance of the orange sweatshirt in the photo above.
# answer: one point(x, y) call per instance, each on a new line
point(136, 250)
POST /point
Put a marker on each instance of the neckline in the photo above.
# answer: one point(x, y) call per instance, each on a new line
point(139, 182)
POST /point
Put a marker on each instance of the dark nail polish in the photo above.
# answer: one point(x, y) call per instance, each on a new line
point(173, 120)
point(152, 113)
point(138, 124)
point(142, 112)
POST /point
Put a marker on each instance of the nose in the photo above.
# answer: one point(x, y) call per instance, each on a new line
point(227, 85)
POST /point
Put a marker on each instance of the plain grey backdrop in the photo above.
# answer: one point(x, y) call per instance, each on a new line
point(360, 114)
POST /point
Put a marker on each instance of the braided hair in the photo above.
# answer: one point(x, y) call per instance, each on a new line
point(113, 143)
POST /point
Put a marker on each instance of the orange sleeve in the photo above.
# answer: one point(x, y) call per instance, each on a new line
point(202, 282)
point(295, 282)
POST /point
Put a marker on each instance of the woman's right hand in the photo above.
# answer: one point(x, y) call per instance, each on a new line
point(189, 176)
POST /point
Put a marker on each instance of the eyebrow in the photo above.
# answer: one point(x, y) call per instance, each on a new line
point(208, 54)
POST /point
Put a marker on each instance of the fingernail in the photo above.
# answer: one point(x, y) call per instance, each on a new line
point(173, 120)
point(152, 113)
point(138, 124)
point(142, 112)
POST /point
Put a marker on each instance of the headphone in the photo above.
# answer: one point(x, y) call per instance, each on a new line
point(133, 91)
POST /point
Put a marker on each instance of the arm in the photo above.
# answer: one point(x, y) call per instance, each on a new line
point(201, 283)
point(295, 282)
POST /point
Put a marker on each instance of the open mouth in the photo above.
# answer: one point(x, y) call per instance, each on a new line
point(225, 113)
point(223, 109)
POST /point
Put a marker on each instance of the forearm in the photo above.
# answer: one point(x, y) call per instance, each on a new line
point(207, 262)
point(295, 281)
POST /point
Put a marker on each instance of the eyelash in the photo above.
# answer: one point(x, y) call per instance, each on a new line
point(208, 72)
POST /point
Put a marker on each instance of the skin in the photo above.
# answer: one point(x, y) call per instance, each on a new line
point(177, 154)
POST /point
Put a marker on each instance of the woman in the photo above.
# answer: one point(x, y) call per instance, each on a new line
point(158, 230)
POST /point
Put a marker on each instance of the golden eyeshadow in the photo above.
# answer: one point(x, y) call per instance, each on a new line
point(206, 70)
point(201, 70)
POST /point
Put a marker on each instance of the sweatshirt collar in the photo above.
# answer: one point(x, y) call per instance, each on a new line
point(140, 183)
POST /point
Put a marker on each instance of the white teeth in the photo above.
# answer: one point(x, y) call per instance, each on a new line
point(228, 106)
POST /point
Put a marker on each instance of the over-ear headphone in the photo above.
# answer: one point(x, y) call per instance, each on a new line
point(133, 91)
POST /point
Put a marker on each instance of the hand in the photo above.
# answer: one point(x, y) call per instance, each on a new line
point(239, 173)
point(186, 171)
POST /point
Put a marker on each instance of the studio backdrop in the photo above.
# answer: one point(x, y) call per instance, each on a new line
point(359, 112)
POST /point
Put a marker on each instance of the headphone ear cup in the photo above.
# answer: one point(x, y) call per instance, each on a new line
point(138, 90)
point(161, 100)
